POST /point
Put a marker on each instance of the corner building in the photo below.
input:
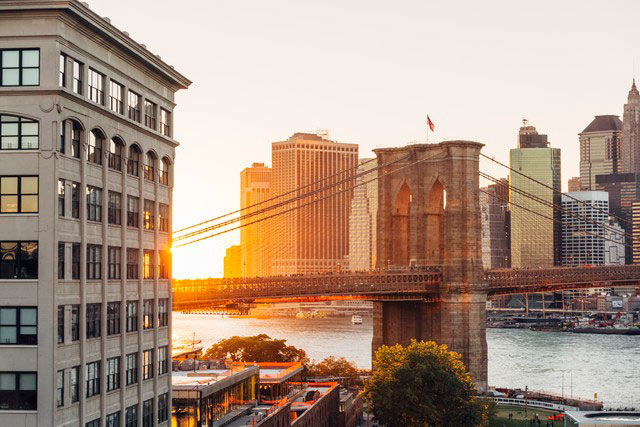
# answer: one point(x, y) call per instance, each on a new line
point(86, 178)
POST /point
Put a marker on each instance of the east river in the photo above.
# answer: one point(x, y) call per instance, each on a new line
point(605, 364)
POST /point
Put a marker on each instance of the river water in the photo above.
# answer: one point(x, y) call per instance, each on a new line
point(605, 364)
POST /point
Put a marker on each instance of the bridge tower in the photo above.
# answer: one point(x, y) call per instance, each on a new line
point(429, 214)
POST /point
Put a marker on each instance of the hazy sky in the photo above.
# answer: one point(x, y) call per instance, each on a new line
point(369, 72)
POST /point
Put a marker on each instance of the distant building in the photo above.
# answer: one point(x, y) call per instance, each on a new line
point(362, 222)
point(635, 232)
point(534, 158)
point(499, 225)
point(588, 237)
point(599, 149)
point(486, 227)
point(256, 240)
point(574, 184)
point(312, 236)
point(630, 147)
point(232, 262)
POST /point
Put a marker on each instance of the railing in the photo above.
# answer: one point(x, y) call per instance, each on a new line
point(533, 404)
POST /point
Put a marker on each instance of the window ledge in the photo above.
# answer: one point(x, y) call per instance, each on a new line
point(12, 214)
point(17, 411)
point(31, 150)
point(19, 280)
point(7, 346)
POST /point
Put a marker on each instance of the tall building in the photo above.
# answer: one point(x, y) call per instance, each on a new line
point(630, 147)
point(574, 184)
point(486, 227)
point(255, 237)
point(86, 180)
point(534, 158)
point(313, 237)
point(599, 150)
point(362, 222)
point(588, 236)
point(635, 232)
point(496, 225)
point(232, 262)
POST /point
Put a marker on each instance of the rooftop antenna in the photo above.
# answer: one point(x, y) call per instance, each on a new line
point(525, 122)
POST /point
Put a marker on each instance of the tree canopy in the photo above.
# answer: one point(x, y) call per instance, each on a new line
point(333, 367)
point(423, 384)
point(259, 348)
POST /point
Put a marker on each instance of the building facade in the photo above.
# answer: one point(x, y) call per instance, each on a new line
point(86, 179)
point(599, 150)
point(630, 147)
point(312, 233)
point(588, 236)
point(574, 184)
point(362, 222)
point(496, 252)
point(255, 238)
point(542, 163)
point(233, 262)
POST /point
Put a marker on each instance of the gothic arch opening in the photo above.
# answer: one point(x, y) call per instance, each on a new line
point(400, 227)
point(435, 224)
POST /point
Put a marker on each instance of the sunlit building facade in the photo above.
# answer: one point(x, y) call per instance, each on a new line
point(362, 222)
point(630, 147)
point(494, 205)
point(312, 233)
point(256, 240)
point(86, 181)
point(599, 150)
point(232, 262)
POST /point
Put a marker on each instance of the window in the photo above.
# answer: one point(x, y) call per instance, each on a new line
point(18, 325)
point(165, 122)
point(132, 263)
point(113, 420)
point(147, 314)
point(75, 200)
point(18, 260)
point(62, 76)
point(75, 322)
point(116, 97)
point(163, 407)
point(77, 77)
point(132, 316)
point(60, 388)
point(164, 261)
point(163, 359)
point(75, 261)
point(132, 368)
point(133, 211)
point(18, 391)
point(60, 324)
point(113, 373)
point(94, 262)
point(147, 413)
point(61, 198)
point(114, 263)
point(61, 250)
point(94, 203)
point(147, 264)
point(149, 214)
point(115, 208)
point(20, 67)
point(163, 312)
point(134, 106)
point(93, 378)
point(96, 89)
point(163, 217)
point(133, 164)
point(93, 320)
point(94, 150)
point(113, 318)
point(149, 114)
point(147, 364)
point(149, 167)
point(93, 423)
point(164, 171)
point(18, 194)
point(76, 134)
point(115, 154)
point(63, 137)
point(18, 133)
point(74, 384)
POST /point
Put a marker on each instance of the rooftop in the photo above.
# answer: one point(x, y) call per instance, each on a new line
point(210, 380)
point(275, 372)
point(609, 418)
point(604, 124)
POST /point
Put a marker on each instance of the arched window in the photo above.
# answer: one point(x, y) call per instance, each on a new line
point(115, 154)
point(164, 171)
point(76, 136)
point(96, 143)
point(150, 166)
point(133, 165)
point(18, 133)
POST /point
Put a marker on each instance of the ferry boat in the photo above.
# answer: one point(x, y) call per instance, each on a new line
point(356, 319)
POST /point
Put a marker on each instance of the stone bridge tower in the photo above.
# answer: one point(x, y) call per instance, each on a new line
point(429, 214)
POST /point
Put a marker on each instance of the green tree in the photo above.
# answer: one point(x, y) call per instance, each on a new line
point(332, 367)
point(423, 385)
point(259, 348)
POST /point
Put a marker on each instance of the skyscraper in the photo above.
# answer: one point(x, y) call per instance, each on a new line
point(495, 225)
point(630, 147)
point(86, 181)
point(314, 237)
point(362, 222)
point(574, 184)
point(232, 262)
point(256, 239)
point(534, 158)
point(599, 149)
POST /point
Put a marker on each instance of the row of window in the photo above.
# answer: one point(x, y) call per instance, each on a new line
point(19, 67)
point(93, 320)
point(96, 85)
point(114, 267)
point(18, 260)
point(131, 414)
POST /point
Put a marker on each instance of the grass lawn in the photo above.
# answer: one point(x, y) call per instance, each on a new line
point(518, 420)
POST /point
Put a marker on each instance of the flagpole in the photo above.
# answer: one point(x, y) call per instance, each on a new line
point(427, 129)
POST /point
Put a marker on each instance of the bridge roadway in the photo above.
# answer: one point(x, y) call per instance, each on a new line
point(417, 284)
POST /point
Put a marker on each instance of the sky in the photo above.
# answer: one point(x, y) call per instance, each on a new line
point(369, 72)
